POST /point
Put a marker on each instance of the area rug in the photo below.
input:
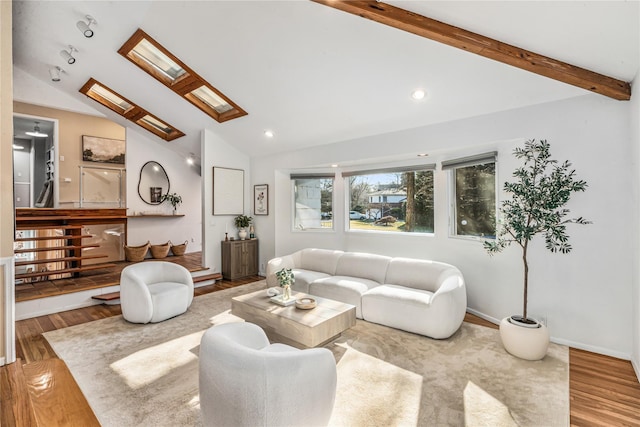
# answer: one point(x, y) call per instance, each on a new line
point(147, 375)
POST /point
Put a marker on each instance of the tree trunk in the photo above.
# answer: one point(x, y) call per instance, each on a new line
point(526, 280)
point(410, 178)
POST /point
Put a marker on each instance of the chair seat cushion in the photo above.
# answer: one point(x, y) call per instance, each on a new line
point(169, 299)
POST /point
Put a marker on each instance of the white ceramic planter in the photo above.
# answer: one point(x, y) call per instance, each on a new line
point(525, 343)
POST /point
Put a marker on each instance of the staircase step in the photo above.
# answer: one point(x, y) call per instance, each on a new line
point(116, 295)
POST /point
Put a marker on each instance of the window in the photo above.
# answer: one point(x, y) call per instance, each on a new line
point(393, 200)
point(165, 67)
point(474, 195)
point(313, 201)
point(130, 111)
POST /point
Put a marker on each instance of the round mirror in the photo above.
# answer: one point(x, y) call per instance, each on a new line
point(153, 184)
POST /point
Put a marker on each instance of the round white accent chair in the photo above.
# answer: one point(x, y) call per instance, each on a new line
point(154, 291)
point(245, 381)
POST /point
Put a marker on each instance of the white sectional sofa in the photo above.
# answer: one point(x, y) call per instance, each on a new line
point(419, 296)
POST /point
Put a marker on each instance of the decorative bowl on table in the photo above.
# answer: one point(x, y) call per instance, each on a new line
point(305, 303)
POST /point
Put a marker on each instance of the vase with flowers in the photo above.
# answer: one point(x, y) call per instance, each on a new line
point(285, 279)
point(174, 199)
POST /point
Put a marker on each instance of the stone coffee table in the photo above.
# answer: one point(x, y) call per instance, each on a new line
point(294, 326)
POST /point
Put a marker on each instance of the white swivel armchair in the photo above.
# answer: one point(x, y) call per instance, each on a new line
point(245, 381)
point(154, 291)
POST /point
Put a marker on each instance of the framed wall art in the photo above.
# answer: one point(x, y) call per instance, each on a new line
point(103, 150)
point(228, 191)
point(261, 199)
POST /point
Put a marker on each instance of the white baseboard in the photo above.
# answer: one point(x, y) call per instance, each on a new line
point(568, 343)
point(2, 361)
point(58, 303)
point(71, 301)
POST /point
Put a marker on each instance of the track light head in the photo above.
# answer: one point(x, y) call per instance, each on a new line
point(68, 54)
point(55, 73)
point(85, 28)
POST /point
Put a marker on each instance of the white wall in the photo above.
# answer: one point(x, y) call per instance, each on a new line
point(635, 144)
point(217, 152)
point(183, 180)
point(585, 295)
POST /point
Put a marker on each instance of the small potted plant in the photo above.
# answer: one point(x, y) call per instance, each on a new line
point(537, 206)
point(285, 279)
point(242, 222)
point(174, 199)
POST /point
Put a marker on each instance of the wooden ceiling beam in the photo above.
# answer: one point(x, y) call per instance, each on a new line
point(484, 46)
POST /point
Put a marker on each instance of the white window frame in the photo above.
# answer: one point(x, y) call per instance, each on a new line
point(296, 227)
point(450, 166)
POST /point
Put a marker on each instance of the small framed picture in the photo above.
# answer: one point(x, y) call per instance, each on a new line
point(261, 199)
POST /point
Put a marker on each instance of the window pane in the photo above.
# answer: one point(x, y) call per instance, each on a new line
point(158, 60)
point(475, 197)
point(110, 97)
point(212, 99)
point(156, 124)
point(313, 200)
point(394, 202)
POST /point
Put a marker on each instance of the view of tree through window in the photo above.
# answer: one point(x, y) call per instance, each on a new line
point(313, 198)
point(475, 199)
point(393, 201)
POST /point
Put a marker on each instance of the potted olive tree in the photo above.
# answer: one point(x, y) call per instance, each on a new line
point(541, 190)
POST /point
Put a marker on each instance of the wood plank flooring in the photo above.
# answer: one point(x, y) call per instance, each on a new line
point(604, 391)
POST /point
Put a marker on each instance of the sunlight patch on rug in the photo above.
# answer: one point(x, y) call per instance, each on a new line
point(482, 409)
point(392, 393)
point(150, 364)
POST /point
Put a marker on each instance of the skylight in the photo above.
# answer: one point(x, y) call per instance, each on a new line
point(157, 61)
point(130, 111)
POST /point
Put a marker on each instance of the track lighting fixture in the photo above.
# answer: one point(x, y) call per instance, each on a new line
point(84, 27)
point(55, 73)
point(36, 132)
point(68, 54)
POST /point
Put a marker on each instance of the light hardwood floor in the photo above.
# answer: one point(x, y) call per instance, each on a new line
point(604, 391)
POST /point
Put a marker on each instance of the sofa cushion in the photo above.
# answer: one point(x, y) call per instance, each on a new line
point(366, 266)
point(415, 273)
point(302, 278)
point(322, 260)
point(344, 289)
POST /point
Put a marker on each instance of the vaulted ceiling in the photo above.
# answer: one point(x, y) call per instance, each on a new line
point(314, 74)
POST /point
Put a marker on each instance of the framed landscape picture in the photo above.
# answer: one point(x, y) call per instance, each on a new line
point(103, 150)
point(261, 199)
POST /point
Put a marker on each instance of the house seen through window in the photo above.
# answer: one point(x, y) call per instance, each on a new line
point(393, 200)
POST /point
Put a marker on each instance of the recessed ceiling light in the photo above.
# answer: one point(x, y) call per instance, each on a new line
point(268, 133)
point(418, 94)
point(18, 147)
point(422, 155)
point(334, 166)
